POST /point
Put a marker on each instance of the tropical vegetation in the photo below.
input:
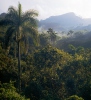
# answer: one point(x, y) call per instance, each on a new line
point(41, 65)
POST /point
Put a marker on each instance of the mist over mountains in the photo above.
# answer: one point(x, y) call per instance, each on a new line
point(66, 22)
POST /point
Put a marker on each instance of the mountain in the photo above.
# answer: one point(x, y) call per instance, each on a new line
point(64, 22)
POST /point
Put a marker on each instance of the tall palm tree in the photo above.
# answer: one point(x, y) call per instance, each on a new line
point(20, 25)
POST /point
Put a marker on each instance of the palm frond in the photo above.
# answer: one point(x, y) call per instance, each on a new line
point(11, 11)
point(12, 14)
point(8, 35)
point(30, 21)
point(29, 16)
point(6, 22)
point(29, 31)
point(31, 13)
point(19, 11)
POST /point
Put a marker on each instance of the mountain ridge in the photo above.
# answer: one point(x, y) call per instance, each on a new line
point(64, 22)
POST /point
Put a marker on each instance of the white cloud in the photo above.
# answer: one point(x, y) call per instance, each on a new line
point(48, 8)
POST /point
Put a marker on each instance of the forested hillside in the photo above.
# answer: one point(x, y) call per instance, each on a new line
point(42, 65)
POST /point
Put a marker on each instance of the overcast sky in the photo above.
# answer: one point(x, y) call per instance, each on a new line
point(48, 8)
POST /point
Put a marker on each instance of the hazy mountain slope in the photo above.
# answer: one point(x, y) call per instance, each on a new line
point(64, 22)
point(80, 40)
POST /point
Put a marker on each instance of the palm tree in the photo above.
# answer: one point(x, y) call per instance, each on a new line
point(20, 25)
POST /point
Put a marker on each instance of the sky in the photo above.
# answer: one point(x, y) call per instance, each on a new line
point(47, 8)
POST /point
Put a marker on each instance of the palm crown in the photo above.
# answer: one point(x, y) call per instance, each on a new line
point(20, 24)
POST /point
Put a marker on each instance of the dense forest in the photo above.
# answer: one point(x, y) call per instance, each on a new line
point(42, 65)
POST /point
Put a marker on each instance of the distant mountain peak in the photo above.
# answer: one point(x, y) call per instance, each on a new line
point(63, 22)
point(66, 14)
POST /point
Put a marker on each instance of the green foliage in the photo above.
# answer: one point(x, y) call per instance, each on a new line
point(52, 36)
point(8, 67)
point(79, 50)
point(43, 39)
point(47, 57)
point(74, 97)
point(48, 73)
point(33, 91)
point(8, 92)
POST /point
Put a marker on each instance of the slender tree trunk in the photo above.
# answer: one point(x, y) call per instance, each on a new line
point(15, 51)
point(19, 67)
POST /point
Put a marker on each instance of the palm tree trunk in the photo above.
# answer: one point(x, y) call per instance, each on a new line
point(19, 67)
point(15, 50)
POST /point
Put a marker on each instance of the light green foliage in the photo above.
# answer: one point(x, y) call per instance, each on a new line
point(47, 57)
point(8, 92)
point(50, 56)
point(79, 50)
point(74, 97)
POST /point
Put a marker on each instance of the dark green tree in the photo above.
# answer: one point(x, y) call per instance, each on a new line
point(52, 35)
point(43, 39)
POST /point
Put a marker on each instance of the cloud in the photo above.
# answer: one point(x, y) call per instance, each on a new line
point(48, 8)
